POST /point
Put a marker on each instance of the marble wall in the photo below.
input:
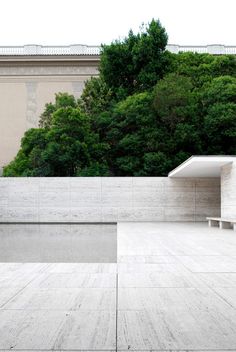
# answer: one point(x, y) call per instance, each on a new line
point(108, 199)
point(228, 191)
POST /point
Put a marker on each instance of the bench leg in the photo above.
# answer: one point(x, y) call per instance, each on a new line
point(213, 223)
point(225, 225)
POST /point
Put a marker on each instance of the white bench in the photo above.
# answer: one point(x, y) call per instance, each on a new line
point(222, 223)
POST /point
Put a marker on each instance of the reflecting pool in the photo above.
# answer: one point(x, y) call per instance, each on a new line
point(58, 243)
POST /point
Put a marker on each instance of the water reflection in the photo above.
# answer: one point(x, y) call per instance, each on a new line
point(53, 243)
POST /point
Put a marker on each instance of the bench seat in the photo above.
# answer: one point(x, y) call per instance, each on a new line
point(222, 223)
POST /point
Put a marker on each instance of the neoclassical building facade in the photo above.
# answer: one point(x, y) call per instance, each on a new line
point(30, 76)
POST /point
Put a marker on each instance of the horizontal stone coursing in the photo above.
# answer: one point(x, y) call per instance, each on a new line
point(108, 199)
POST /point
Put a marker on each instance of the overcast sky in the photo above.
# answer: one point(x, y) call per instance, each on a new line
point(63, 22)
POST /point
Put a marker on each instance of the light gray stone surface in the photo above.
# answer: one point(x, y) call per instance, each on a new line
point(228, 191)
point(63, 299)
point(41, 329)
point(173, 288)
point(108, 199)
point(75, 280)
point(190, 307)
point(58, 307)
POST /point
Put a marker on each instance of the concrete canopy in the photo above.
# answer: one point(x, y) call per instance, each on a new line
point(202, 166)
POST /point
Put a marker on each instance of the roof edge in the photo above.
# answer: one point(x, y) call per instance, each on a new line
point(81, 49)
point(203, 158)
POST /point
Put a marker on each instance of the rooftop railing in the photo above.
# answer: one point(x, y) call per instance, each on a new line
point(79, 49)
point(215, 49)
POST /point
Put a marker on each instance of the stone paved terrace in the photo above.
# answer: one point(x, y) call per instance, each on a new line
point(173, 288)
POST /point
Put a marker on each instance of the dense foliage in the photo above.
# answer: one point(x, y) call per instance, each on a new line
point(136, 63)
point(147, 112)
point(64, 147)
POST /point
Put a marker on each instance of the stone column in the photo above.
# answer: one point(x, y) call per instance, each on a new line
point(228, 191)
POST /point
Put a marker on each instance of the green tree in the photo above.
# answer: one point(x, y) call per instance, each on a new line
point(27, 161)
point(219, 109)
point(62, 100)
point(173, 99)
point(202, 68)
point(136, 63)
point(67, 145)
point(147, 112)
point(132, 130)
point(96, 97)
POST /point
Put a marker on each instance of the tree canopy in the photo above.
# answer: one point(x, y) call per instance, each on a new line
point(64, 147)
point(136, 63)
point(146, 112)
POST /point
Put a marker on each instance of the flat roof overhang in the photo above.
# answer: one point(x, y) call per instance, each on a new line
point(202, 166)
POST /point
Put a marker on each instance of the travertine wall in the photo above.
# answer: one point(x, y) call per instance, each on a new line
point(108, 199)
point(25, 88)
point(228, 191)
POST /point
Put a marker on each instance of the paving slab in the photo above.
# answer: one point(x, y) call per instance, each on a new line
point(49, 330)
point(146, 268)
point(74, 280)
point(29, 329)
point(63, 299)
point(151, 259)
point(218, 279)
point(87, 330)
point(159, 279)
point(228, 294)
point(174, 330)
point(17, 280)
point(94, 268)
point(214, 263)
point(21, 268)
point(7, 293)
point(173, 299)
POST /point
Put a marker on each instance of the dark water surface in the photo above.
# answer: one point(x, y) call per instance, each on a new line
point(53, 243)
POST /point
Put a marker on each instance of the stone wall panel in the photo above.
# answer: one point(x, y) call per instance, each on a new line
point(108, 199)
point(228, 191)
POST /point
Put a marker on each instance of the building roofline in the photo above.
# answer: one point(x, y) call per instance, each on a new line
point(202, 166)
point(48, 59)
point(50, 50)
point(32, 50)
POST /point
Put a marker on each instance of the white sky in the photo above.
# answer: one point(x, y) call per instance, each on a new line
point(63, 22)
